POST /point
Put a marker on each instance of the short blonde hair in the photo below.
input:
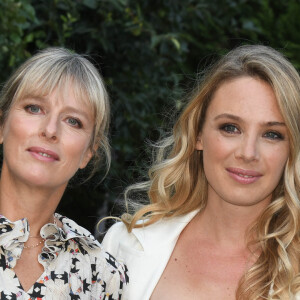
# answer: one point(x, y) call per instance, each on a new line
point(178, 184)
point(54, 68)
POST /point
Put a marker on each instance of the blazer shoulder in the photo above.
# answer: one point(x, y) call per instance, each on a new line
point(146, 238)
point(116, 229)
point(116, 235)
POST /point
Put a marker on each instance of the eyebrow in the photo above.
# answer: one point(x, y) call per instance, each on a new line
point(236, 118)
point(77, 111)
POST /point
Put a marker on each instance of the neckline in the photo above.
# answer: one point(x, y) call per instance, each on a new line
point(13, 235)
point(31, 289)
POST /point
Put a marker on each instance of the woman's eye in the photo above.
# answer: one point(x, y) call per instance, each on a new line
point(273, 135)
point(34, 109)
point(74, 122)
point(230, 128)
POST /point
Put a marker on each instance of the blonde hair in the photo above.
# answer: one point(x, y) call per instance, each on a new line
point(178, 184)
point(54, 68)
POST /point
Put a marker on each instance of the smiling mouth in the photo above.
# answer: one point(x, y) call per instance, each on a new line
point(43, 153)
point(244, 176)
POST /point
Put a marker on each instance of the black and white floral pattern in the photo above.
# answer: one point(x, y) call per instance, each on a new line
point(75, 265)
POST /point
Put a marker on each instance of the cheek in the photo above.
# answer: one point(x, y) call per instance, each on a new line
point(77, 146)
point(15, 128)
point(216, 147)
point(216, 151)
point(276, 160)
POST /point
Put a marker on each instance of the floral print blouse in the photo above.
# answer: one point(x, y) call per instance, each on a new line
point(75, 265)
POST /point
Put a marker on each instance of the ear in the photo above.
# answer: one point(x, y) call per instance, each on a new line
point(199, 144)
point(1, 134)
point(86, 158)
point(1, 128)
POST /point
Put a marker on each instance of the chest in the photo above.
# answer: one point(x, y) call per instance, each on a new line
point(196, 270)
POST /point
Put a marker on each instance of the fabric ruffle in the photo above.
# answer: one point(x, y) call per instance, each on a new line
point(56, 238)
point(13, 235)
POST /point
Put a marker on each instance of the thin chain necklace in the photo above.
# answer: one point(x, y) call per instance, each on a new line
point(37, 236)
point(33, 246)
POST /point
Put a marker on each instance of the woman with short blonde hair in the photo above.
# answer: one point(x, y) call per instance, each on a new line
point(54, 121)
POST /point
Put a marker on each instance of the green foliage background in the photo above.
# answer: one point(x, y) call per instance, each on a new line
point(149, 53)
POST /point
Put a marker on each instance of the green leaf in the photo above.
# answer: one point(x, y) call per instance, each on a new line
point(90, 3)
point(176, 43)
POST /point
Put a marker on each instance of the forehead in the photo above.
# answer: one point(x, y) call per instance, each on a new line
point(247, 97)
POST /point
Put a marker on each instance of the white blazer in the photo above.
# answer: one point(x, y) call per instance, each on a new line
point(146, 252)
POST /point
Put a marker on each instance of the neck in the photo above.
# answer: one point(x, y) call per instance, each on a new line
point(37, 204)
point(226, 224)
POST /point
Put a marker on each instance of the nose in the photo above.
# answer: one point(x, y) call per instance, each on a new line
point(49, 128)
point(248, 149)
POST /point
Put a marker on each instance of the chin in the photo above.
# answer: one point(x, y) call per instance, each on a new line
point(38, 179)
point(37, 182)
point(246, 202)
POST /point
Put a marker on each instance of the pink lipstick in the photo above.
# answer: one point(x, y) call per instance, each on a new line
point(243, 176)
point(43, 154)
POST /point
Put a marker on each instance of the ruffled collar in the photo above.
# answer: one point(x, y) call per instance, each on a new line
point(13, 235)
point(56, 238)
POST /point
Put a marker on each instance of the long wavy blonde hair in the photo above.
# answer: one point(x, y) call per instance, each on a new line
point(177, 183)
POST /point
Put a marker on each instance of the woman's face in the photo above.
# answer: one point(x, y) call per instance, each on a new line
point(245, 143)
point(46, 139)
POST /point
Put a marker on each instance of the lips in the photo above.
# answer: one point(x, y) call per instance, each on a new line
point(243, 176)
point(42, 153)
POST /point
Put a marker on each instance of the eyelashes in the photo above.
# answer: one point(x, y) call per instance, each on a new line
point(273, 135)
point(74, 122)
point(35, 110)
point(233, 129)
point(229, 128)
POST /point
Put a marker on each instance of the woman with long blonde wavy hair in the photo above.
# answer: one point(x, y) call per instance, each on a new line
point(224, 214)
